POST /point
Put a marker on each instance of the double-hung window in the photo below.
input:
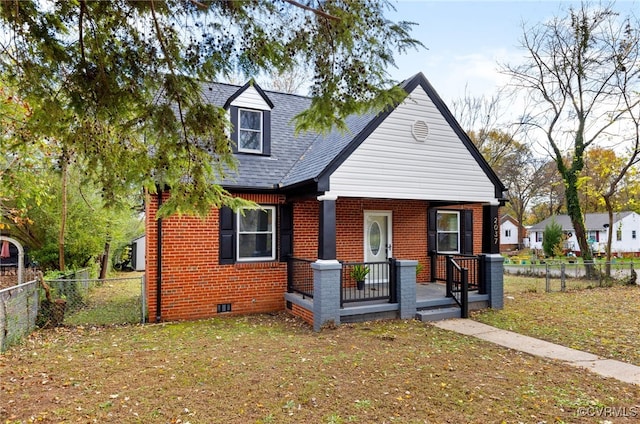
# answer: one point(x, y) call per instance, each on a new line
point(256, 237)
point(250, 131)
point(448, 231)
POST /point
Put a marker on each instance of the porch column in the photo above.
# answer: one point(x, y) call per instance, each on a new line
point(327, 227)
point(494, 278)
point(326, 293)
point(491, 227)
point(406, 286)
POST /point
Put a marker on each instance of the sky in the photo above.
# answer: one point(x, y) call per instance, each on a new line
point(465, 40)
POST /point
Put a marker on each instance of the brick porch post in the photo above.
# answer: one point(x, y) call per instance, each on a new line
point(326, 293)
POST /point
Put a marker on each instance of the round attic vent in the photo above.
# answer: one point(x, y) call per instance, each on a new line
point(420, 130)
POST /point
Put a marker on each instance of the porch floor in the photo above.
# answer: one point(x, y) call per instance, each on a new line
point(424, 292)
point(428, 295)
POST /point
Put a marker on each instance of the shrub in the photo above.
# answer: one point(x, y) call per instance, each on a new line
point(552, 239)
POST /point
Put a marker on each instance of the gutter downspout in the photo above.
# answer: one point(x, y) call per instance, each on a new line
point(159, 263)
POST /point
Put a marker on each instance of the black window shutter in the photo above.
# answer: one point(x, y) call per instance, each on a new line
point(266, 133)
point(286, 231)
point(432, 222)
point(227, 236)
point(233, 115)
point(467, 232)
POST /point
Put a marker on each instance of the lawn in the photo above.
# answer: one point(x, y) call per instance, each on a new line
point(274, 369)
point(603, 321)
point(115, 301)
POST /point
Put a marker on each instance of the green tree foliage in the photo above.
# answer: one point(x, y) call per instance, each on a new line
point(89, 224)
point(582, 78)
point(552, 239)
point(116, 83)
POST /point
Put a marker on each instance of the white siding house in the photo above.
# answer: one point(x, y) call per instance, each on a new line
point(138, 249)
point(509, 233)
point(626, 232)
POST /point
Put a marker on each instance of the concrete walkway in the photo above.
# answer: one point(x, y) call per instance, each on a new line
point(606, 367)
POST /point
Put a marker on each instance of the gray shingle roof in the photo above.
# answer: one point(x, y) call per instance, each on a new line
point(310, 156)
point(267, 172)
point(324, 150)
point(592, 221)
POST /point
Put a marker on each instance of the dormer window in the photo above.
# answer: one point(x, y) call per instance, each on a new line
point(250, 115)
point(250, 131)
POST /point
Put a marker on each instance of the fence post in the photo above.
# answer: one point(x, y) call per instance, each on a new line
point(563, 278)
point(289, 274)
point(465, 293)
point(393, 280)
point(548, 279)
point(482, 280)
point(434, 265)
point(143, 299)
point(449, 277)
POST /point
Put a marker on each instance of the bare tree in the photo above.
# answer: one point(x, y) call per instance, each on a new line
point(491, 130)
point(572, 78)
point(293, 81)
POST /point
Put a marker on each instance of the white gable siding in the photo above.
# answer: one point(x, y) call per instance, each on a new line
point(628, 225)
point(250, 98)
point(390, 163)
point(513, 230)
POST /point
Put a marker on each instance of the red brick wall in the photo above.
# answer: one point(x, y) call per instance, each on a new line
point(300, 312)
point(193, 283)
point(409, 220)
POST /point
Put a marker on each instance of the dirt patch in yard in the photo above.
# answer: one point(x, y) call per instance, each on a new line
point(263, 368)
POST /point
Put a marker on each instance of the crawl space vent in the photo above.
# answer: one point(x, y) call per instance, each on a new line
point(420, 130)
point(224, 307)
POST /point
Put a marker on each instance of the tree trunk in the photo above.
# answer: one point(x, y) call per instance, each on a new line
point(104, 261)
point(607, 265)
point(63, 214)
point(575, 214)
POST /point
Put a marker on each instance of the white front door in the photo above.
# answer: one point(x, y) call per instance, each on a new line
point(377, 236)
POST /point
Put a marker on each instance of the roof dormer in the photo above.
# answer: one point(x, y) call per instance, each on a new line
point(250, 115)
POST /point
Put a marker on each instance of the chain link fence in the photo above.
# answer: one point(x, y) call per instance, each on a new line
point(18, 311)
point(553, 276)
point(87, 302)
point(72, 301)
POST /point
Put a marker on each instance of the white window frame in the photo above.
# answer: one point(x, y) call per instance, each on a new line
point(438, 232)
point(507, 233)
point(260, 131)
point(239, 214)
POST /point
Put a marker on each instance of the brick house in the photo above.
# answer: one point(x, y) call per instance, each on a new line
point(397, 193)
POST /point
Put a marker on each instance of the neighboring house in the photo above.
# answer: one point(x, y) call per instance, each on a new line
point(138, 249)
point(626, 233)
point(406, 183)
point(509, 233)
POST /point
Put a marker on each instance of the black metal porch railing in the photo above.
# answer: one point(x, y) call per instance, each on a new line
point(458, 284)
point(470, 262)
point(300, 276)
point(379, 283)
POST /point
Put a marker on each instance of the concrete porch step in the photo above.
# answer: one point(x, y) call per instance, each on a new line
point(438, 314)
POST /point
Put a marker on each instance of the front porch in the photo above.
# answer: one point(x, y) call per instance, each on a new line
point(324, 293)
